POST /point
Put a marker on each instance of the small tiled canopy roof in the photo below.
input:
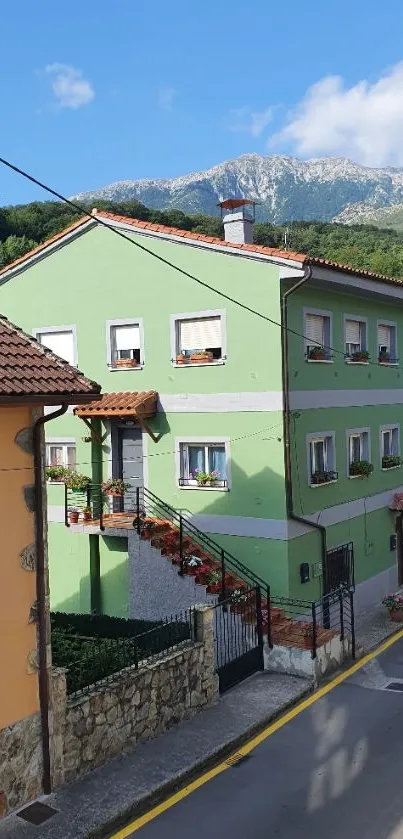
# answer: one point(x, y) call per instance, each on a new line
point(31, 371)
point(141, 404)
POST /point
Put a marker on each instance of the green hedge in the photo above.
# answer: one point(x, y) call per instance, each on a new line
point(100, 626)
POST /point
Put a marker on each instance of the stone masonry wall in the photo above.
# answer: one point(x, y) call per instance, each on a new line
point(20, 763)
point(136, 706)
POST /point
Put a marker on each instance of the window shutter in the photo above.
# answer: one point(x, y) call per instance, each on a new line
point(353, 332)
point(200, 334)
point(384, 336)
point(315, 329)
point(61, 343)
point(127, 337)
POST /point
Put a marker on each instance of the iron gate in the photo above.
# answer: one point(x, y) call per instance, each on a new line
point(238, 636)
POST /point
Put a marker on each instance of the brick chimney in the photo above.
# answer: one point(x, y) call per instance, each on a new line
point(238, 216)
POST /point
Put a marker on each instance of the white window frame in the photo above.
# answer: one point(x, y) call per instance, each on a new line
point(111, 325)
point(63, 443)
point(393, 341)
point(393, 427)
point(363, 322)
point(44, 330)
point(365, 446)
point(180, 442)
point(329, 438)
point(207, 313)
point(328, 328)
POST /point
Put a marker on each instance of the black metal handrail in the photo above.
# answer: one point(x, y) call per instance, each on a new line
point(148, 504)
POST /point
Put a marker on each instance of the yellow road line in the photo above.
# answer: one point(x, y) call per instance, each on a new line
point(256, 741)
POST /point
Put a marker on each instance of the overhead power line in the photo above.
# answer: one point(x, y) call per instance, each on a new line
point(83, 211)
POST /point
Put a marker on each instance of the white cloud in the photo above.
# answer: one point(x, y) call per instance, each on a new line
point(364, 122)
point(69, 87)
point(251, 122)
point(166, 98)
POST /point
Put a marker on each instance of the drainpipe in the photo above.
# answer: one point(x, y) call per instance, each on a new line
point(41, 593)
point(287, 419)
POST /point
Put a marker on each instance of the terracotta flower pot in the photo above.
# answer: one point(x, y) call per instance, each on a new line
point(126, 362)
point(182, 359)
point(396, 615)
point(87, 516)
point(73, 518)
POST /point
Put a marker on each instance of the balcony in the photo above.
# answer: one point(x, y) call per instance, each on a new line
point(94, 509)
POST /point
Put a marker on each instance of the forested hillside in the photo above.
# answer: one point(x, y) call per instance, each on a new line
point(363, 246)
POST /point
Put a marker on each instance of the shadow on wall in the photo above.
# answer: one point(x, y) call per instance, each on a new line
point(114, 589)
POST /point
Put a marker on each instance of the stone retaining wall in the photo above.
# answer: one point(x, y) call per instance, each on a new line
point(20, 763)
point(136, 706)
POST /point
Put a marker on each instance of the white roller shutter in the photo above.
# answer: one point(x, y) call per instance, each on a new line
point(127, 337)
point(61, 343)
point(353, 332)
point(384, 336)
point(200, 334)
point(315, 330)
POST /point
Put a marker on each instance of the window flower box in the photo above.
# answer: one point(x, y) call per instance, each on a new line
point(359, 357)
point(325, 477)
point(317, 354)
point(125, 362)
point(56, 474)
point(391, 461)
point(201, 357)
point(360, 468)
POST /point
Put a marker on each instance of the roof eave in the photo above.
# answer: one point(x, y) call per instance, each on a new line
point(49, 398)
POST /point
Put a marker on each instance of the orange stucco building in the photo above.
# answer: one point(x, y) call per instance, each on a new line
point(31, 377)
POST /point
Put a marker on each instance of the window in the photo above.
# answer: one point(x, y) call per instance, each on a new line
point(358, 448)
point(321, 459)
point(125, 344)
point(387, 343)
point(355, 336)
point(390, 446)
point(204, 465)
point(198, 338)
point(60, 341)
point(317, 332)
point(59, 453)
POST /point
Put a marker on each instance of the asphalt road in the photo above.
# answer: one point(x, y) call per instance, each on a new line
point(334, 771)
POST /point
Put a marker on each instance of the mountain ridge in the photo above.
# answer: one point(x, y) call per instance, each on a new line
point(286, 188)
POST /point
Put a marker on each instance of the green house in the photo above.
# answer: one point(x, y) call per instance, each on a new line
point(262, 436)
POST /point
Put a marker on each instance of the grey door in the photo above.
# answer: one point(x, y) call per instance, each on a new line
point(131, 463)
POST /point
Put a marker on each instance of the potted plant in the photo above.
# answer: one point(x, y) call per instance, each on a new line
point(115, 487)
point(214, 582)
point(77, 482)
point(205, 478)
point(317, 354)
point(322, 477)
point(361, 468)
point(126, 362)
point(394, 604)
point(361, 356)
point(73, 516)
point(191, 564)
point(182, 358)
point(384, 357)
point(307, 635)
point(203, 574)
point(56, 474)
point(390, 461)
point(87, 514)
point(201, 357)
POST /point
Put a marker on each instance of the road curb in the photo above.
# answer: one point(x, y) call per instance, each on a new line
point(156, 796)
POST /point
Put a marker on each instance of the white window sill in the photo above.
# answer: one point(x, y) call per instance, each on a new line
point(206, 489)
point(353, 477)
point(388, 364)
point(55, 483)
point(325, 484)
point(125, 369)
point(357, 363)
point(390, 468)
point(188, 364)
point(319, 360)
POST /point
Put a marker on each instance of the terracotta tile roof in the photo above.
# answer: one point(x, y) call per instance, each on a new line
point(141, 404)
point(278, 253)
point(28, 369)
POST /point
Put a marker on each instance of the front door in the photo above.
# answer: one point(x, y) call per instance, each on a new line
point(130, 447)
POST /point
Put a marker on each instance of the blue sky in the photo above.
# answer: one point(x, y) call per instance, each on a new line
point(96, 92)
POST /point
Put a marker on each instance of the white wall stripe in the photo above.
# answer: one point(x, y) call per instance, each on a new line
point(305, 399)
point(217, 403)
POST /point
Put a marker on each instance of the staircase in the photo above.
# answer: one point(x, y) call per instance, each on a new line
point(218, 572)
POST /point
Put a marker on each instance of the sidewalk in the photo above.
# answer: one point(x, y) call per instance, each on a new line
point(371, 628)
point(106, 798)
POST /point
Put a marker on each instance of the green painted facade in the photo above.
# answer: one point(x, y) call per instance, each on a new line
point(97, 277)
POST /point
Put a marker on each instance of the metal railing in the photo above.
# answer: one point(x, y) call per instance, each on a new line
point(186, 542)
point(310, 624)
point(93, 661)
